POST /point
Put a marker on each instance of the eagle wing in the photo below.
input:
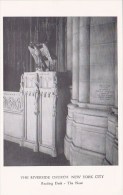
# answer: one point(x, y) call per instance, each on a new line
point(45, 52)
point(32, 51)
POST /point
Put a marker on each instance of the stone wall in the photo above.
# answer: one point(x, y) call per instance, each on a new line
point(102, 61)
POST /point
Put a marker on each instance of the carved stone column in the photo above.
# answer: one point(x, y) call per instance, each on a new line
point(93, 94)
point(69, 42)
point(84, 60)
point(75, 76)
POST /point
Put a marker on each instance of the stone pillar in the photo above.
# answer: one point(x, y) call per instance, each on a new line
point(75, 73)
point(90, 127)
point(84, 60)
point(69, 42)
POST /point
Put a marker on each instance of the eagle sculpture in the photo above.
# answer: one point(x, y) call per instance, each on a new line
point(41, 56)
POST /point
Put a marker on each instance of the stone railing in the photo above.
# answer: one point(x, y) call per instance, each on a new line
point(13, 101)
point(13, 106)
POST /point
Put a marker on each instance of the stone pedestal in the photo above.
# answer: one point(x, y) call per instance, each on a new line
point(45, 95)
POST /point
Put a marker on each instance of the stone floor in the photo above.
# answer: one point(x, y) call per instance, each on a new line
point(14, 155)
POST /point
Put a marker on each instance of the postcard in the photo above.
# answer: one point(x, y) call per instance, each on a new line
point(61, 97)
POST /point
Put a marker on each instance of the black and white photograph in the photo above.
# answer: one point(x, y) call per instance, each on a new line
point(60, 100)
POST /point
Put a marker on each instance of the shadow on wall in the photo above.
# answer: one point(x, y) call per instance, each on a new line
point(64, 96)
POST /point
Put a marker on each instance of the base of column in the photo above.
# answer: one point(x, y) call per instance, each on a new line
point(82, 157)
point(84, 143)
point(73, 101)
point(106, 163)
point(112, 138)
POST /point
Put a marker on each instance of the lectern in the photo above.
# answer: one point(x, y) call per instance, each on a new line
point(45, 99)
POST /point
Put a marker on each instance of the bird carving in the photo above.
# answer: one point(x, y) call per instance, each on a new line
point(42, 57)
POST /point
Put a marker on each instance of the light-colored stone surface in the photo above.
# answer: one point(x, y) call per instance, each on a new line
point(84, 21)
point(13, 139)
point(42, 129)
point(104, 33)
point(79, 156)
point(107, 77)
point(102, 93)
point(102, 60)
point(89, 127)
point(102, 54)
point(13, 124)
point(112, 139)
point(91, 111)
point(85, 137)
point(30, 144)
point(86, 131)
point(47, 121)
point(117, 132)
point(75, 59)
point(48, 150)
point(67, 143)
point(91, 120)
point(100, 107)
point(40, 106)
point(69, 127)
point(115, 154)
point(39, 112)
point(109, 147)
point(84, 95)
point(84, 35)
point(84, 59)
point(102, 20)
point(71, 108)
point(31, 128)
point(112, 124)
point(13, 116)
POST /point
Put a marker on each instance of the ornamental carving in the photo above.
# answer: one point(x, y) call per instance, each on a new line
point(55, 81)
point(46, 80)
point(13, 102)
point(48, 94)
point(22, 84)
point(41, 56)
point(36, 94)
